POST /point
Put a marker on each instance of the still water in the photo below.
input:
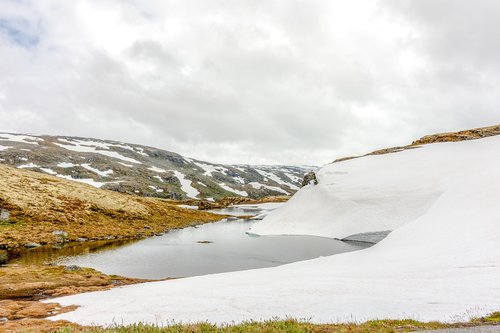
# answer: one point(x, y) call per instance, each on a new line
point(210, 248)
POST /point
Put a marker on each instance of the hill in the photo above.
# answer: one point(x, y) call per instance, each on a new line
point(40, 208)
point(142, 170)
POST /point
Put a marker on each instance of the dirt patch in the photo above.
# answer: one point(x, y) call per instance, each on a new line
point(23, 287)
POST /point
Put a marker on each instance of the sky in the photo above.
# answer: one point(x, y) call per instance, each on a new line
point(299, 82)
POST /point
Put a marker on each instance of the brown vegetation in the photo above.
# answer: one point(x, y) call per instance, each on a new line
point(40, 204)
point(472, 134)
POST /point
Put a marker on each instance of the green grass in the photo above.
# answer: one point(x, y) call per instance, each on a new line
point(288, 326)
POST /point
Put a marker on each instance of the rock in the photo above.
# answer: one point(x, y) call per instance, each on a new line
point(72, 268)
point(60, 233)
point(3, 257)
point(4, 319)
point(31, 245)
point(81, 239)
point(204, 242)
point(310, 178)
point(4, 215)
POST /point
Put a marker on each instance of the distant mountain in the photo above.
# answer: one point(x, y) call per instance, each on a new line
point(143, 170)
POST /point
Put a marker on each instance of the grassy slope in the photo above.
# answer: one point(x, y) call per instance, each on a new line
point(40, 204)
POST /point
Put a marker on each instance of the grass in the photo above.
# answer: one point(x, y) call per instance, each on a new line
point(288, 326)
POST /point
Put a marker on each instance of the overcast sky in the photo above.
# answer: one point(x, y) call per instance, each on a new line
point(250, 81)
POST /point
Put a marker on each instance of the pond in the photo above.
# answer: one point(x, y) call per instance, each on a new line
point(210, 248)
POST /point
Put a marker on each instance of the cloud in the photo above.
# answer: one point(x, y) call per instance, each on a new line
point(250, 82)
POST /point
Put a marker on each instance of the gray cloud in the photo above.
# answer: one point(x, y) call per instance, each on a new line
point(250, 82)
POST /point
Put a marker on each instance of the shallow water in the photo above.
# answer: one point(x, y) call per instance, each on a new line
point(210, 248)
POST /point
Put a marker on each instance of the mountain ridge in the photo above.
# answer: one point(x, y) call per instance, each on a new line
point(144, 170)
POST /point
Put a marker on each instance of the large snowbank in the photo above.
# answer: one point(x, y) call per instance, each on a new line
point(441, 261)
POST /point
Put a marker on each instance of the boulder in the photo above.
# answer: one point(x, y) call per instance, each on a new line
point(310, 178)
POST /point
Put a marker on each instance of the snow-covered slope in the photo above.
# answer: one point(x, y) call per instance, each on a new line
point(379, 192)
point(144, 170)
point(441, 262)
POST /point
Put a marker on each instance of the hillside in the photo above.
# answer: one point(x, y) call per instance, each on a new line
point(35, 205)
point(143, 170)
point(440, 262)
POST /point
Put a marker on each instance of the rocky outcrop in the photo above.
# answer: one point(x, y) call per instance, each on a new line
point(471, 134)
point(309, 179)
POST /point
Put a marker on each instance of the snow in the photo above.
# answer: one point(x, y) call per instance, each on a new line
point(186, 184)
point(156, 189)
point(2, 148)
point(33, 140)
point(293, 177)
point(258, 186)
point(49, 171)
point(230, 189)
point(159, 178)
point(105, 173)
point(156, 169)
point(28, 166)
point(276, 179)
point(83, 146)
point(441, 262)
point(125, 164)
point(88, 181)
point(66, 165)
point(209, 168)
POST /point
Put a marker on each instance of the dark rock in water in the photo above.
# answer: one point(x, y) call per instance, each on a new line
point(310, 178)
point(204, 242)
point(368, 237)
point(31, 245)
point(72, 268)
point(4, 215)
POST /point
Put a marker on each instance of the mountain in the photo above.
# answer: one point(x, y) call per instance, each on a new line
point(439, 263)
point(143, 170)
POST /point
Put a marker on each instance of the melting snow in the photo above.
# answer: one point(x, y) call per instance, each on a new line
point(209, 168)
point(186, 184)
point(156, 189)
point(230, 189)
point(49, 171)
point(97, 171)
point(155, 169)
point(88, 181)
point(28, 166)
point(159, 178)
point(91, 147)
point(33, 140)
point(276, 179)
point(66, 165)
point(258, 186)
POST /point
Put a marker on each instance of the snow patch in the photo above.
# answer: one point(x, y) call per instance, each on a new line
point(49, 171)
point(230, 189)
point(33, 140)
point(186, 184)
point(105, 173)
point(66, 165)
point(2, 148)
point(83, 146)
point(259, 186)
point(209, 168)
point(28, 166)
point(156, 169)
